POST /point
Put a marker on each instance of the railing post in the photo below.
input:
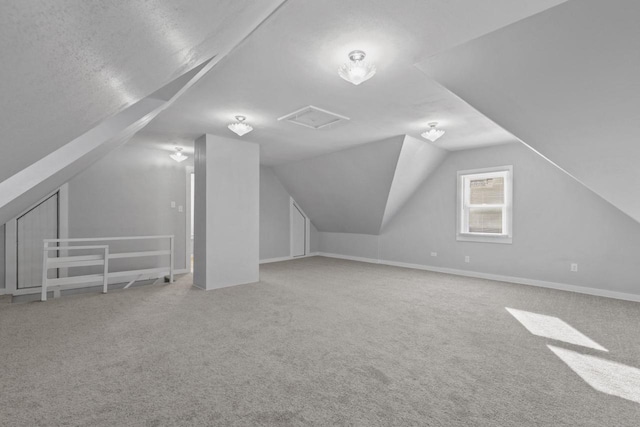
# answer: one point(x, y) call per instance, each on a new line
point(45, 255)
point(105, 278)
point(171, 260)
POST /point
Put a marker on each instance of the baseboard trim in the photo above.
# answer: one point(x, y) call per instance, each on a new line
point(350, 258)
point(497, 277)
point(286, 258)
point(278, 259)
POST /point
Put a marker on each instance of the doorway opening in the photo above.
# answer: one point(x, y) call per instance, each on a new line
point(299, 231)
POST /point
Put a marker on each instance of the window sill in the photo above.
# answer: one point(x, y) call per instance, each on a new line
point(484, 238)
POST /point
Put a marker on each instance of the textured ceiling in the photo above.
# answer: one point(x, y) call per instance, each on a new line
point(25, 188)
point(566, 83)
point(291, 61)
point(69, 64)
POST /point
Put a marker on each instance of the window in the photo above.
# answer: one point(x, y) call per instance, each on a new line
point(484, 205)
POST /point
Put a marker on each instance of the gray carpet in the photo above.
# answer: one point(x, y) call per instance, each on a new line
point(317, 342)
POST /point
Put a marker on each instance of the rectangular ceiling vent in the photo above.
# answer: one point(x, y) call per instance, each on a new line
point(313, 117)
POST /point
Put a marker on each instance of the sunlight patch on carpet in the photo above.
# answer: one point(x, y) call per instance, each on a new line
point(553, 328)
point(603, 375)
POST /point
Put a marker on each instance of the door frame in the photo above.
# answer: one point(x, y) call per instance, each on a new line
point(307, 229)
point(187, 208)
point(11, 242)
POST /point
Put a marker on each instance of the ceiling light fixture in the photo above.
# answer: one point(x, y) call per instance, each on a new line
point(433, 133)
point(357, 71)
point(240, 127)
point(178, 156)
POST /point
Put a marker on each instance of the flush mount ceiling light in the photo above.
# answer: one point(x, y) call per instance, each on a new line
point(356, 70)
point(433, 133)
point(178, 156)
point(240, 127)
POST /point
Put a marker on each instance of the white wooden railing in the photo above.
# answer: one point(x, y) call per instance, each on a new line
point(101, 259)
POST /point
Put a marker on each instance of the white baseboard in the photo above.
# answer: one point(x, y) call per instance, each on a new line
point(496, 277)
point(349, 257)
point(279, 259)
point(286, 258)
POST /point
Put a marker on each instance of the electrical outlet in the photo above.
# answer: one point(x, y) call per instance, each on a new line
point(180, 208)
point(467, 258)
point(574, 267)
point(173, 204)
point(434, 253)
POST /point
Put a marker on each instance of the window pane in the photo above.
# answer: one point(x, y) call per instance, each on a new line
point(489, 191)
point(485, 220)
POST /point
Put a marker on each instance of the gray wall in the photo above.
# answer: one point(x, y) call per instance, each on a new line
point(200, 210)
point(314, 239)
point(345, 191)
point(2, 269)
point(274, 216)
point(129, 193)
point(556, 221)
point(350, 244)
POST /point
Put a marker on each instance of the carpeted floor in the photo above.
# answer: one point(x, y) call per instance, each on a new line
point(318, 341)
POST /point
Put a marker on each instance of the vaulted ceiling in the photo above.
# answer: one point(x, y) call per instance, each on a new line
point(560, 77)
point(67, 65)
point(291, 61)
point(76, 78)
point(566, 83)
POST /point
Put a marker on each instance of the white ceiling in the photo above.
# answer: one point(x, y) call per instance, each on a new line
point(67, 65)
point(291, 61)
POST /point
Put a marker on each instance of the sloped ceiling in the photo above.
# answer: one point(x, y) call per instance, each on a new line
point(345, 191)
point(416, 162)
point(565, 82)
point(25, 188)
point(292, 61)
point(358, 190)
point(67, 65)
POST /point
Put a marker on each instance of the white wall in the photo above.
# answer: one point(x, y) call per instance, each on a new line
point(227, 212)
point(274, 216)
point(556, 221)
point(129, 193)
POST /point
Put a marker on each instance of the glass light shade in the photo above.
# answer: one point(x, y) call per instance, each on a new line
point(356, 70)
point(433, 133)
point(178, 156)
point(240, 127)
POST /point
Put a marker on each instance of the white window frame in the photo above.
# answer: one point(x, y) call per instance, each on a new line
point(463, 205)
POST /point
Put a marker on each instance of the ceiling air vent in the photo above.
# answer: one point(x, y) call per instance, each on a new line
point(313, 117)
